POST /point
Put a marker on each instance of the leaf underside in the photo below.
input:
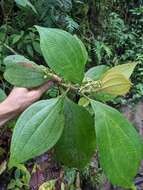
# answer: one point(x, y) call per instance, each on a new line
point(124, 69)
point(24, 75)
point(37, 130)
point(115, 84)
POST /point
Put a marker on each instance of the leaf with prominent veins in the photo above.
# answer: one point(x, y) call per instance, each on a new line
point(115, 84)
point(22, 72)
point(64, 53)
point(120, 147)
point(37, 130)
point(124, 69)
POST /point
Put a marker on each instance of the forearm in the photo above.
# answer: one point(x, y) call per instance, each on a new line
point(7, 112)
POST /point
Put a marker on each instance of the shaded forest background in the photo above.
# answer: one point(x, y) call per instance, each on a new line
point(112, 31)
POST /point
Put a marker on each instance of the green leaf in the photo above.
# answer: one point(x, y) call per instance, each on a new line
point(25, 172)
point(13, 59)
point(77, 143)
point(114, 84)
point(36, 47)
point(64, 53)
point(103, 96)
point(124, 69)
point(26, 3)
point(120, 147)
point(48, 185)
point(21, 2)
point(16, 38)
point(25, 75)
point(37, 130)
point(83, 102)
point(29, 4)
point(3, 167)
point(95, 73)
point(2, 95)
point(30, 50)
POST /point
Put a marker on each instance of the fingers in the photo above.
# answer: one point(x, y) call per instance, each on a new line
point(44, 87)
point(16, 91)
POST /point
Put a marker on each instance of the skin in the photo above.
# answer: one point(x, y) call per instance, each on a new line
point(18, 100)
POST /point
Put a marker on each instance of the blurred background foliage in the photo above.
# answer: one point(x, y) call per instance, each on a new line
point(112, 31)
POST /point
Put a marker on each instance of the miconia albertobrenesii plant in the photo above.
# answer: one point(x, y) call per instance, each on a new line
point(73, 130)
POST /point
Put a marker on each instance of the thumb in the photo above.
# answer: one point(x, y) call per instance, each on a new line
point(45, 87)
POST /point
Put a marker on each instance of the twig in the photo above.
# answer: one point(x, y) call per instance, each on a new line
point(2, 8)
point(59, 80)
point(71, 87)
point(9, 48)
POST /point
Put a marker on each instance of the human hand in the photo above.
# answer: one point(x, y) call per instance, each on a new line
point(20, 98)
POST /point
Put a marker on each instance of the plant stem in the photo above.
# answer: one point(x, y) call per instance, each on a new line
point(57, 79)
point(71, 87)
point(9, 48)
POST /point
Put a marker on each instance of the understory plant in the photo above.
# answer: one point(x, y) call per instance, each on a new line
point(77, 121)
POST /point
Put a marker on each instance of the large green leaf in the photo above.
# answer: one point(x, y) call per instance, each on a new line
point(13, 59)
point(64, 53)
point(37, 130)
point(119, 144)
point(25, 75)
point(77, 143)
point(95, 73)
